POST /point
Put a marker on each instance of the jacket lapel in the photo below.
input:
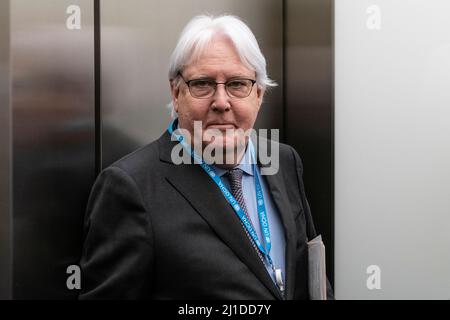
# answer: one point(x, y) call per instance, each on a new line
point(278, 191)
point(196, 186)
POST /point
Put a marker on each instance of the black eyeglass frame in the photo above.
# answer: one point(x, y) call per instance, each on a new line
point(215, 87)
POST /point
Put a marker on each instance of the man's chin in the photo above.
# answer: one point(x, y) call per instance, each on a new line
point(224, 146)
point(222, 152)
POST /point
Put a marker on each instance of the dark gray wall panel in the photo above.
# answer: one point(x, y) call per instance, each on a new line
point(53, 142)
point(309, 107)
point(5, 156)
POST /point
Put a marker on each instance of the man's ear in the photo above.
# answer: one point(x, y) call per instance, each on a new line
point(260, 94)
point(175, 91)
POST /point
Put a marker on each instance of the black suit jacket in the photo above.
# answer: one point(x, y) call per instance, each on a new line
point(157, 230)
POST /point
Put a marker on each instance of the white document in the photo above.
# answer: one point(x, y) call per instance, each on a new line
point(317, 279)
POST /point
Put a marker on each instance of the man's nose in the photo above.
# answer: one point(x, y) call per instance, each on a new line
point(221, 100)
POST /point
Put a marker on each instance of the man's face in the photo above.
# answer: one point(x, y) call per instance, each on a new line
point(221, 63)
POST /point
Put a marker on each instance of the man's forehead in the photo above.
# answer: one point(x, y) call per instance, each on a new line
point(219, 53)
point(229, 69)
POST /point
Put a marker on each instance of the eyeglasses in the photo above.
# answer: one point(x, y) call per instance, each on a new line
point(206, 88)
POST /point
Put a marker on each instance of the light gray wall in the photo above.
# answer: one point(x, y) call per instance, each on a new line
point(392, 144)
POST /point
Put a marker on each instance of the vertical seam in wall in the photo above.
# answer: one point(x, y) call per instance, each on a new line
point(332, 124)
point(283, 70)
point(11, 159)
point(97, 75)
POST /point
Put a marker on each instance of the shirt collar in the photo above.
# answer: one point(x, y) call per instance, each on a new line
point(245, 164)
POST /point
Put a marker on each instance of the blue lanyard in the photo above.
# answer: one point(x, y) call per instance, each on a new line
point(231, 200)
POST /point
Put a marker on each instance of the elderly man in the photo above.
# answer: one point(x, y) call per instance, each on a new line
point(161, 228)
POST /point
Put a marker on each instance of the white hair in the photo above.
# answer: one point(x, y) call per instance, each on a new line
point(198, 34)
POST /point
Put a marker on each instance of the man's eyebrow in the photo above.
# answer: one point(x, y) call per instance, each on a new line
point(241, 76)
point(202, 76)
point(234, 76)
point(238, 75)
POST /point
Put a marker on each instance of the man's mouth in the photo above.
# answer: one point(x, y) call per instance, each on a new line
point(221, 126)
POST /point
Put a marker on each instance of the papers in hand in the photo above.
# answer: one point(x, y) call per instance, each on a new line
point(317, 279)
